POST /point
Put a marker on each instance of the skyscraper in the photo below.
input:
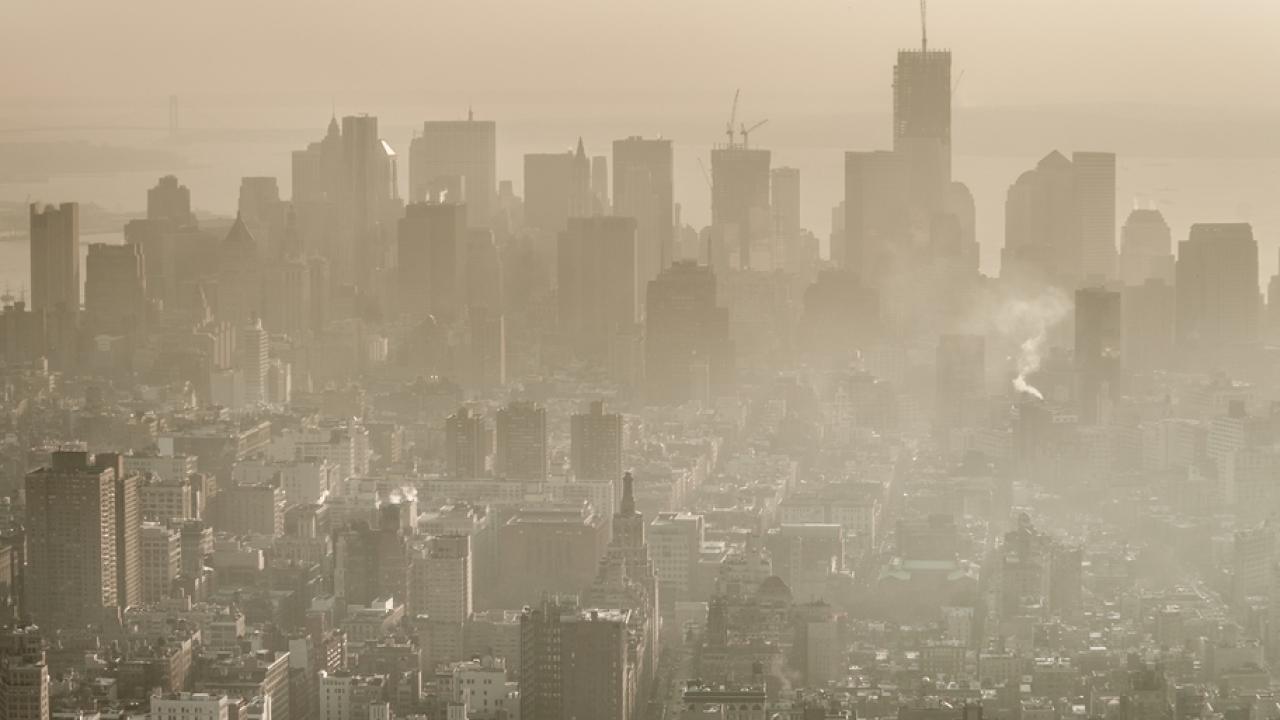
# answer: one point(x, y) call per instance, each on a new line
point(169, 203)
point(922, 123)
point(877, 219)
point(1095, 174)
point(522, 442)
point(595, 449)
point(253, 347)
point(1042, 225)
point(687, 343)
point(597, 279)
point(451, 149)
point(785, 200)
point(441, 588)
point(73, 540)
point(574, 663)
point(466, 445)
point(240, 276)
point(1146, 248)
point(1218, 303)
point(370, 198)
point(740, 198)
point(557, 186)
point(1098, 346)
point(55, 257)
point(115, 289)
point(432, 260)
point(644, 189)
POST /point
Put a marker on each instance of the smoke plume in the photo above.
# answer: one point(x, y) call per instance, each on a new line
point(1031, 320)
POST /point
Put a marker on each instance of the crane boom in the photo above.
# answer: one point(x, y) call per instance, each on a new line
point(733, 115)
point(746, 132)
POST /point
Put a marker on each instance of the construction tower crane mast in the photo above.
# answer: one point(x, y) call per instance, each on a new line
point(733, 115)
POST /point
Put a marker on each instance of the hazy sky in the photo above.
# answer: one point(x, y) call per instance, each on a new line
point(1012, 51)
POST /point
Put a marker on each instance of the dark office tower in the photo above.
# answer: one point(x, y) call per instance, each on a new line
point(356, 574)
point(169, 204)
point(1041, 225)
point(197, 543)
point(1099, 330)
point(55, 257)
point(432, 259)
point(458, 153)
point(961, 382)
point(577, 664)
point(876, 219)
point(740, 198)
point(687, 344)
point(600, 185)
point(1217, 287)
point(1096, 212)
point(1148, 312)
point(922, 123)
point(128, 510)
point(597, 281)
point(115, 289)
point(595, 444)
point(557, 186)
point(1146, 248)
point(239, 276)
point(72, 534)
point(466, 445)
point(644, 189)
point(522, 442)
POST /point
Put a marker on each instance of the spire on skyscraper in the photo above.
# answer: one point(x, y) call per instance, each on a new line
point(628, 496)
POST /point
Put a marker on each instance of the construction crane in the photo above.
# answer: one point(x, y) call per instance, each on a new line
point(745, 132)
point(924, 27)
point(956, 85)
point(733, 115)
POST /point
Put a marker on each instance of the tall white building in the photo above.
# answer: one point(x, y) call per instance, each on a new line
point(161, 560)
point(675, 541)
point(441, 581)
point(254, 349)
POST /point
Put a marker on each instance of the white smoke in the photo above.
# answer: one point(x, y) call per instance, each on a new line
point(1031, 320)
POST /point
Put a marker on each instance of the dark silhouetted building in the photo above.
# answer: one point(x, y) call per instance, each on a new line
point(688, 353)
point(595, 450)
point(55, 257)
point(521, 442)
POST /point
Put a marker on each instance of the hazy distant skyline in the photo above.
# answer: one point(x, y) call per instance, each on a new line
point(1039, 51)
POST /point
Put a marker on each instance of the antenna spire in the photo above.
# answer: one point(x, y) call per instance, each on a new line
point(924, 27)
